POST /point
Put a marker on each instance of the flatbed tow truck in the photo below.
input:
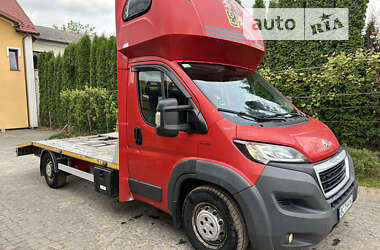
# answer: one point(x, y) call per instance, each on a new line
point(203, 137)
point(101, 150)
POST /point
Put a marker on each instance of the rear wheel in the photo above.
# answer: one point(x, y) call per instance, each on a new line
point(212, 220)
point(53, 177)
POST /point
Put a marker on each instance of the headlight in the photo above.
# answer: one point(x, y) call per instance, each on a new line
point(265, 153)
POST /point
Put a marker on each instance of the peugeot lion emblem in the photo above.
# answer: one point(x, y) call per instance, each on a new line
point(325, 144)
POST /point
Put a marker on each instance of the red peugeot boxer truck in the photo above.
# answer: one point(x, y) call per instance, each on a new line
point(203, 137)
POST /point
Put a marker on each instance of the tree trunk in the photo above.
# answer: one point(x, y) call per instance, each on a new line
point(89, 122)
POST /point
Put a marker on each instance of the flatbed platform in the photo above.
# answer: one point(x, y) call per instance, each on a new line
point(100, 149)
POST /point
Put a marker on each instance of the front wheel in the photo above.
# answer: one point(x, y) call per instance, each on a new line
point(212, 220)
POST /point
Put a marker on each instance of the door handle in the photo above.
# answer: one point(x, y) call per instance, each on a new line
point(138, 135)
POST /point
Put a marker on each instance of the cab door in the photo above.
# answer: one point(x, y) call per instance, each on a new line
point(152, 157)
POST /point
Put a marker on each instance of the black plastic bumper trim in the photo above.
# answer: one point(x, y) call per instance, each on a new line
point(145, 189)
point(309, 216)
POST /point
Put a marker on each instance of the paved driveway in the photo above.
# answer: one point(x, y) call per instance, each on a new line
point(33, 216)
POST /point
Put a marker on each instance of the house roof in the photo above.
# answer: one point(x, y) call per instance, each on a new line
point(10, 9)
point(54, 35)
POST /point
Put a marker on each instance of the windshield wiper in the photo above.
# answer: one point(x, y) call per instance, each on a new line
point(286, 115)
point(245, 115)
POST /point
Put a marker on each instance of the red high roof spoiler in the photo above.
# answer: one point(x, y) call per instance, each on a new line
point(190, 30)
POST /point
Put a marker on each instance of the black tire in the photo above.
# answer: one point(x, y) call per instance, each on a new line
point(55, 179)
point(206, 205)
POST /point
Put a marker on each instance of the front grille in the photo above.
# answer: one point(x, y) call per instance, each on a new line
point(333, 173)
point(335, 203)
point(331, 178)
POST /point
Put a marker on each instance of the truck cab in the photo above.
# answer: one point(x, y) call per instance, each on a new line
point(203, 137)
point(200, 121)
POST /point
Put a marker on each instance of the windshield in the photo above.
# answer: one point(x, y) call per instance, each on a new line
point(239, 90)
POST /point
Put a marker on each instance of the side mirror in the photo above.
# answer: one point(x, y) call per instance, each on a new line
point(167, 118)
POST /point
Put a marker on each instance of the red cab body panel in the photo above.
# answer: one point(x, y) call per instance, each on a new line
point(306, 138)
point(185, 30)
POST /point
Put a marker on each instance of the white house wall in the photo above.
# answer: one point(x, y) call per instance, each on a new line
point(30, 83)
point(45, 46)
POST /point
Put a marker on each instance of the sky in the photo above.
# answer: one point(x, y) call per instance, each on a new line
point(101, 13)
point(373, 11)
point(97, 13)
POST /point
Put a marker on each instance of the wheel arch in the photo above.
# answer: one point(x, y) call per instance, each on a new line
point(192, 173)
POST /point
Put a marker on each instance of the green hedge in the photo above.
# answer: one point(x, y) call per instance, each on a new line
point(79, 88)
point(343, 93)
point(301, 54)
point(89, 109)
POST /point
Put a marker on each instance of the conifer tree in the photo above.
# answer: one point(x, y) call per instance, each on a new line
point(43, 65)
point(101, 65)
point(58, 88)
point(83, 64)
point(41, 85)
point(68, 74)
point(93, 61)
point(112, 65)
point(50, 90)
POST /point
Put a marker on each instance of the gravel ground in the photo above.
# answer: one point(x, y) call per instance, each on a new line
point(33, 216)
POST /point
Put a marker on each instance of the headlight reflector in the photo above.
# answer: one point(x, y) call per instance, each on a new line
point(264, 153)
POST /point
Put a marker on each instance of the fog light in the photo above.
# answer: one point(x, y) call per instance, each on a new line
point(290, 238)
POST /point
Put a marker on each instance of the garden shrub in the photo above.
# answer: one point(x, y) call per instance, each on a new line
point(89, 109)
point(342, 93)
point(366, 162)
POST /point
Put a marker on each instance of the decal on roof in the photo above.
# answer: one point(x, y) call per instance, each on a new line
point(234, 14)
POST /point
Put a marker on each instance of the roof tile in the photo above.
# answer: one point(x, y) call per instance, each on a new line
point(13, 10)
point(54, 35)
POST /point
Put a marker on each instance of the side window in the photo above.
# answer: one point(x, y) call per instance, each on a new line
point(134, 8)
point(154, 86)
point(172, 91)
point(149, 87)
point(13, 59)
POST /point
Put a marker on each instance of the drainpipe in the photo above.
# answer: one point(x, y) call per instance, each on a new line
point(26, 78)
point(30, 84)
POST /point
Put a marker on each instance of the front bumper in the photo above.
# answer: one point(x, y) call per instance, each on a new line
point(286, 200)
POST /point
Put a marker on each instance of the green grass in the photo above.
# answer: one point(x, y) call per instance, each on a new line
point(369, 181)
point(367, 166)
point(58, 136)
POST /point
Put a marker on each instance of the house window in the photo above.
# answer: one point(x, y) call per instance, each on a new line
point(135, 8)
point(35, 60)
point(13, 59)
